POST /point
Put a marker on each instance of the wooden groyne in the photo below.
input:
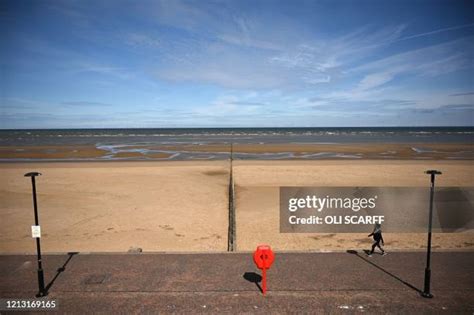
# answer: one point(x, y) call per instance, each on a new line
point(231, 243)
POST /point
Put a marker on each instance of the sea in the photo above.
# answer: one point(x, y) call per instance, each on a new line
point(118, 140)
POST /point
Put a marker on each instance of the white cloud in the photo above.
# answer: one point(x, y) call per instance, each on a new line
point(117, 72)
point(300, 62)
point(441, 30)
point(235, 49)
point(432, 60)
point(374, 80)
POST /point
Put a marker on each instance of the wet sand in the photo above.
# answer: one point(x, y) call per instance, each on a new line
point(51, 152)
point(183, 205)
point(288, 151)
point(365, 150)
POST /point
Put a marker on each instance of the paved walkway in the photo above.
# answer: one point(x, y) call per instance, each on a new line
point(228, 282)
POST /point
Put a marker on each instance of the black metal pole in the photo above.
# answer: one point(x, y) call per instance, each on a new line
point(42, 291)
point(426, 291)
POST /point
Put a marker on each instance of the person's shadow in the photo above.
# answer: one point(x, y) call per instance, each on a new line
point(255, 278)
point(354, 252)
point(60, 270)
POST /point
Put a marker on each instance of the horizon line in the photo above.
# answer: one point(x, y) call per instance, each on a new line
point(333, 127)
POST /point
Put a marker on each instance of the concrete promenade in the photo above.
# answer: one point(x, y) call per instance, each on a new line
point(229, 282)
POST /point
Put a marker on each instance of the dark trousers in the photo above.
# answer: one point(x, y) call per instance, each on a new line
point(376, 244)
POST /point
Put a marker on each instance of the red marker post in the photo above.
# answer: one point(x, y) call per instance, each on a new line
point(263, 257)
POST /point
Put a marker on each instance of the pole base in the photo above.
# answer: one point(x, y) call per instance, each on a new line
point(41, 294)
point(427, 295)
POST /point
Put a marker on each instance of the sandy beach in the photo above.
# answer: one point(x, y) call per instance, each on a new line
point(258, 200)
point(114, 206)
point(183, 205)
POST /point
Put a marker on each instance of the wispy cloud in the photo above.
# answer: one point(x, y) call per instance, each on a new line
point(318, 60)
point(374, 80)
point(434, 56)
point(270, 65)
point(434, 60)
point(462, 94)
point(314, 61)
point(438, 31)
point(116, 72)
point(86, 104)
point(248, 103)
point(233, 62)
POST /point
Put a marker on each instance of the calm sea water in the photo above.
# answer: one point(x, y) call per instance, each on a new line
point(237, 135)
point(146, 142)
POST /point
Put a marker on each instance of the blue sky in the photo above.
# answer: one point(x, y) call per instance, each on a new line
point(105, 64)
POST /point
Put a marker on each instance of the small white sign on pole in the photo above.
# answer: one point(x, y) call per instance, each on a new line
point(35, 231)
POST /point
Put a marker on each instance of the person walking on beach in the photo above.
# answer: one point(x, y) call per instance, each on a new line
point(377, 235)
